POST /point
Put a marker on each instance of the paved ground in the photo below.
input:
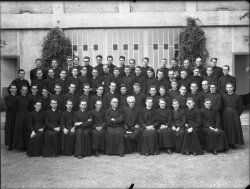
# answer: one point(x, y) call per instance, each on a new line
point(226, 170)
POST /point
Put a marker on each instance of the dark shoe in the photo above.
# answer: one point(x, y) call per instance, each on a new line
point(215, 152)
point(121, 155)
point(232, 146)
point(195, 154)
point(169, 151)
point(97, 154)
point(79, 157)
point(146, 154)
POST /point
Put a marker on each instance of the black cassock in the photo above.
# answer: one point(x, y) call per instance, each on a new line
point(191, 141)
point(214, 140)
point(131, 118)
point(11, 110)
point(115, 132)
point(36, 122)
point(140, 99)
point(60, 101)
point(52, 137)
point(178, 121)
point(67, 140)
point(166, 135)
point(21, 131)
point(149, 139)
point(98, 137)
point(75, 99)
point(83, 133)
point(232, 109)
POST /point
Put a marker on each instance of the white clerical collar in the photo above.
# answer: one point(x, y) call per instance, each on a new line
point(37, 110)
point(98, 95)
point(111, 92)
point(69, 110)
point(148, 109)
point(194, 92)
point(53, 109)
point(82, 110)
point(113, 108)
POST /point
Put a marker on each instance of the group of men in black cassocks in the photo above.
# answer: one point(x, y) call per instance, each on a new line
point(84, 110)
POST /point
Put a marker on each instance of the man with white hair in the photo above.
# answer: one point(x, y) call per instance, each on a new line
point(131, 116)
point(115, 129)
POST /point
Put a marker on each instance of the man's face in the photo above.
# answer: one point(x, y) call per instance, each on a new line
point(186, 63)
point(114, 103)
point(112, 87)
point(54, 64)
point(160, 75)
point(39, 74)
point(196, 72)
point(162, 91)
point(145, 62)
point(225, 70)
point(116, 72)
point(13, 90)
point(204, 85)
point(38, 106)
point(131, 63)
point(190, 104)
point(163, 63)
point(152, 91)
point(98, 105)
point(173, 85)
point(136, 89)
point(213, 88)
point(21, 74)
point(198, 62)
point(229, 88)
point(95, 73)
point(193, 87)
point(72, 88)
point(110, 61)
point(173, 63)
point(208, 104)
point(150, 73)
point(149, 103)
point(137, 71)
point(171, 74)
point(99, 91)
point(209, 71)
point(24, 91)
point(175, 105)
point(53, 104)
point(122, 61)
point(105, 69)
point(123, 90)
point(69, 62)
point(183, 90)
point(162, 104)
point(45, 93)
point(58, 89)
point(86, 89)
point(84, 71)
point(63, 74)
point(34, 89)
point(131, 103)
point(83, 106)
point(76, 62)
point(183, 74)
point(75, 72)
point(213, 62)
point(51, 73)
point(127, 71)
point(69, 105)
point(86, 61)
point(99, 60)
point(38, 64)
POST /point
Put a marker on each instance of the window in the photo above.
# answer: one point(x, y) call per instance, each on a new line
point(135, 46)
point(115, 47)
point(155, 46)
point(165, 46)
point(125, 47)
point(95, 47)
point(176, 46)
point(74, 47)
point(85, 47)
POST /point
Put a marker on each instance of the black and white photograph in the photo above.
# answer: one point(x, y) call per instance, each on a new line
point(124, 94)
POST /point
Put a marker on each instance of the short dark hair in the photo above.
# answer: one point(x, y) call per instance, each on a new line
point(86, 57)
point(20, 70)
point(38, 59)
point(109, 56)
point(77, 57)
point(122, 57)
point(98, 56)
point(213, 59)
point(146, 58)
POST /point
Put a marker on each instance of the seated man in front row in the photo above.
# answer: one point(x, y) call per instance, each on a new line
point(211, 126)
point(131, 118)
point(115, 129)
